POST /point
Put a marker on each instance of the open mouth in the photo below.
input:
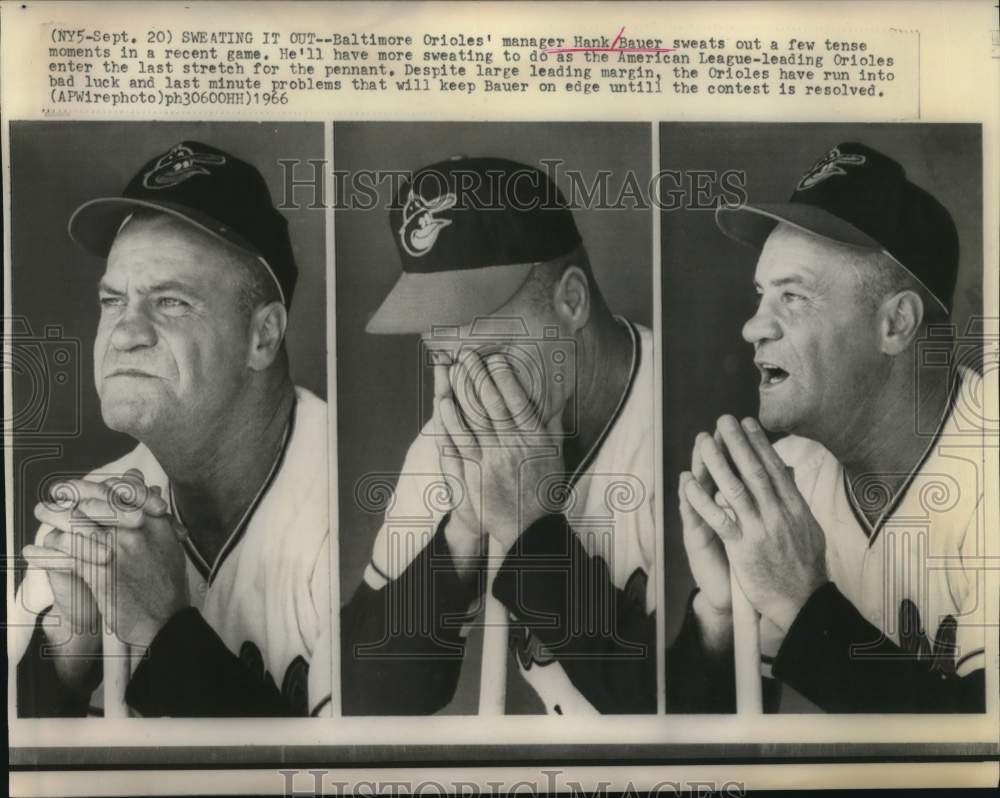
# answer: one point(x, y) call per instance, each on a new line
point(771, 374)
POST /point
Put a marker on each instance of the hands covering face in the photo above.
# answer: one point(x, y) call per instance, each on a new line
point(114, 552)
point(741, 490)
point(495, 450)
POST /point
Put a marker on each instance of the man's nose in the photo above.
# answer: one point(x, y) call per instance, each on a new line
point(134, 329)
point(762, 326)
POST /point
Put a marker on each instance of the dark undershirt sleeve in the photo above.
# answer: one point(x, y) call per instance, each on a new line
point(550, 583)
point(603, 638)
point(401, 645)
point(188, 672)
point(40, 691)
point(816, 659)
point(698, 681)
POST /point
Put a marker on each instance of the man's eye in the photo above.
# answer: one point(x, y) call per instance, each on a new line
point(791, 296)
point(112, 302)
point(172, 304)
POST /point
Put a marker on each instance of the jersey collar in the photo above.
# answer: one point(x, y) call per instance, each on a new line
point(208, 571)
point(588, 459)
point(870, 529)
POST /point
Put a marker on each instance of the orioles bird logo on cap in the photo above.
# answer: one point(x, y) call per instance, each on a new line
point(828, 166)
point(420, 227)
point(178, 165)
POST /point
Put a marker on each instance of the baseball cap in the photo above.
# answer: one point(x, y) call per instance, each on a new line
point(856, 195)
point(211, 189)
point(468, 232)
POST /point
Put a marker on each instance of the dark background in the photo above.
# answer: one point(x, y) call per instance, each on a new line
point(707, 278)
point(55, 166)
point(378, 381)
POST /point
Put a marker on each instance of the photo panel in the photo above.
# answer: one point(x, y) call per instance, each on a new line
point(521, 250)
point(169, 425)
point(826, 282)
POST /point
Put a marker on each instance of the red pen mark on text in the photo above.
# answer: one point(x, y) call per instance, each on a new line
point(613, 48)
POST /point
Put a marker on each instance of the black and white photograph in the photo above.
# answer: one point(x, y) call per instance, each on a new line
point(496, 430)
point(170, 422)
point(825, 420)
point(500, 397)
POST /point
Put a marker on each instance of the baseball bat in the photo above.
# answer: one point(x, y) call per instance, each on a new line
point(114, 653)
point(116, 674)
point(746, 642)
point(493, 669)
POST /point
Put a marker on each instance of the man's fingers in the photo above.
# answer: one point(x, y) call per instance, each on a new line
point(148, 498)
point(494, 405)
point(522, 411)
point(71, 521)
point(47, 558)
point(91, 509)
point(67, 494)
point(94, 575)
point(155, 503)
point(699, 470)
point(452, 467)
point(780, 475)
point(124, 495)
point(750, 468)
point(442, 387)
point(92, 548)
point(689, 518)
point(458, 434)
point(730, 485)
point(465, 390)
point(180, 530)
point(110, 515)
point(710, 512)
point(130, 540)
point(130, 492)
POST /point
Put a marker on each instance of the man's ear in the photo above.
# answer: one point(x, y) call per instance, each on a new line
point(900, 319)
point(267, 331)
point(571, 298)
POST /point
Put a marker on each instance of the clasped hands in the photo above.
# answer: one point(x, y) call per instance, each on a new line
point(496, 450)
point(114, 552)
point(740, 507)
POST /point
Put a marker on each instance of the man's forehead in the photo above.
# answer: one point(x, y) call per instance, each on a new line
point(163, 244)
point(790, 254)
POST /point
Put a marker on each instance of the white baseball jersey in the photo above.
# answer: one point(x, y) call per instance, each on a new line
point(267, 595)
point(610, 509)
point(916, 567)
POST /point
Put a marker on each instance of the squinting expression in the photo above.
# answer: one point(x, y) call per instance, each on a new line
point(171, 344)
point(814, 338)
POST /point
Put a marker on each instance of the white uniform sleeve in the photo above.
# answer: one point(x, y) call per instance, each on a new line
point(320, 689)
point(968, 587)
point(647, 544)
point(417, 505)
point(34, 596)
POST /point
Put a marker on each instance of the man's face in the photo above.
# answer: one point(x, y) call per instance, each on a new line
point(523, 337)
point(172, 343)
point(814, 336)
